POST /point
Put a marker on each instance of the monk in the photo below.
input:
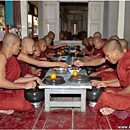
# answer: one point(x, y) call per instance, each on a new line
point(114, 37)
point(33, 70)
point(97, 34)
point(12, 85)
point(111, 101)
point(62, 35)
point(52, 36)
point(28, 47)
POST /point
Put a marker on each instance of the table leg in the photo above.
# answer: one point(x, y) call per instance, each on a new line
point(47, 99)
point(83, 100)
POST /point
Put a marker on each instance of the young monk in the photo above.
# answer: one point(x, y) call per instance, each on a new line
point(52, 36)
point(33, 70)
point(12, 85)
point(97, 34)
point(28, 47)
point(114, 37)
point(62, 35)
point(111, 101)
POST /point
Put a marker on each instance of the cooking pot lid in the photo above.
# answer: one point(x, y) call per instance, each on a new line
point(59, 80)
point(79, 79)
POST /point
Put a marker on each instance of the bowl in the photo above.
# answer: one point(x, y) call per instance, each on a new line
point(92, 95)
point(60, 70)
point(71, 70)
point(90, 70)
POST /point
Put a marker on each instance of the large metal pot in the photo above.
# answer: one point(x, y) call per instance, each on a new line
point(34, 95)
point(93, 94)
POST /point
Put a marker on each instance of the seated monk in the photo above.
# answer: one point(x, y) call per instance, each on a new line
point(114, 37)
point(12, 85)
point(99, 35)
point(52, 36)
point(33, 70)
point(42, 44)
point(62, 35)
point(113, 101)
point(28, 47)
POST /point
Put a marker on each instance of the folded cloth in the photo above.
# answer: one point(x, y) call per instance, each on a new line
point(121, 114)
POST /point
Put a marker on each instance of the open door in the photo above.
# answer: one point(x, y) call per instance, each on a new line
point(95, 17)
point(51, 18)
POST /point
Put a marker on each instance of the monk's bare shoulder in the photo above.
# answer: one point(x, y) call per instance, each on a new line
point(3, 57)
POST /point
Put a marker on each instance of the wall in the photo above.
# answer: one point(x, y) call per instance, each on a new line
point(127, 21)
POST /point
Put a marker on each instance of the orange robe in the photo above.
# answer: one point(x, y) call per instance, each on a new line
point(114, 100)
point(13, 99)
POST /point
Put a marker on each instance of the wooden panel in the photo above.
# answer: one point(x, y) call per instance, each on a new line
point(16, 14)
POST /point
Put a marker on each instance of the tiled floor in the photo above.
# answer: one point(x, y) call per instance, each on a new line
point(61, 119)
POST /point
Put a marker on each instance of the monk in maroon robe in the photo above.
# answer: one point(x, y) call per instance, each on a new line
point(111, 101)
point(28, 47)
point(12, 86)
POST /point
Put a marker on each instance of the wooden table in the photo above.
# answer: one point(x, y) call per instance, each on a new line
point(66, 88)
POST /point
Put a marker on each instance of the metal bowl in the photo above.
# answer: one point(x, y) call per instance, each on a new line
point(61, 70)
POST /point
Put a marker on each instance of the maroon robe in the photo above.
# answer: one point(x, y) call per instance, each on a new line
point(114, 100)
point(98, 51)
point(89, 48)
point(24, 67)
point(13, 99)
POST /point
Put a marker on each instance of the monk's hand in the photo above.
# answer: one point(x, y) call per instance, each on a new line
point(93, 74)
point(101, 84)
point(30, 85)
point(38, 80)
point(86, 58)
point(65, 44)
point(63, 64)
point(94, 82)
point(78, 63)
point(111, 91)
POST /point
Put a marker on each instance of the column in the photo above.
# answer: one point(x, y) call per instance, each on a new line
point(121, 19)
point(24, 18)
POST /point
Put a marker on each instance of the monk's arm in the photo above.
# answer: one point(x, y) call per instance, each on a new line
point(95, 62)
point(125, 91)
point(25, 79)
point(35, 62)
point(57, 46)
point(90, 52)
point(4, 83)
point(115, 83)
point(35, 70)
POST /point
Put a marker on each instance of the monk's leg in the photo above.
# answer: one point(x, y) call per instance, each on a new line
point(8, 112)
point(14, 101)
point(106, 111)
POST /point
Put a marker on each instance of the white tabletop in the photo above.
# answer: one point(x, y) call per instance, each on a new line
point(67, 84)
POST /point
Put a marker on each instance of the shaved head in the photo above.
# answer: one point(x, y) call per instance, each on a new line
point(51, 35)
point(112, 45)
point(27, 40)
point(124, 44)
point(28, 45)
point(98, 42)
point(85, 41)
point(97, 34)
point(114, 37)
point(48, 40)
point(42, 43)
point(10, 38)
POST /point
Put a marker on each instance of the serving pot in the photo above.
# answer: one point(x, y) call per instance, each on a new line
point(93, 94)
point(34, 95)
point(60, 70)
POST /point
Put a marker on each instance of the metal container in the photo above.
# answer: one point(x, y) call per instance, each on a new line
point(61, 70)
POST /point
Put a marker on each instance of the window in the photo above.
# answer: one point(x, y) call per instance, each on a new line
point(30, 25)
point(35, 23)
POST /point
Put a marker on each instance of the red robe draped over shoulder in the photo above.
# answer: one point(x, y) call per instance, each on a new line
point(13, 99)
point(89, 48)
point(118, 101)
point(98, 51)
point(24, 67)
